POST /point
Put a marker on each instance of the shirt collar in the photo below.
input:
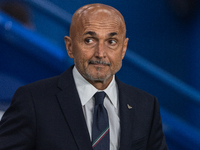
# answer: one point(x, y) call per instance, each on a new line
point(86, 90)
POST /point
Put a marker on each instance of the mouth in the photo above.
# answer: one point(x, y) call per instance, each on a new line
point(99, 63)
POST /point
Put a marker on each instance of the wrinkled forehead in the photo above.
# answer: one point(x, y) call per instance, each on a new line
point(98, 12)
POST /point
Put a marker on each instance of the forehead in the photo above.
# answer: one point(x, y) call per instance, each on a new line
point(101, 25)
point(101, 20)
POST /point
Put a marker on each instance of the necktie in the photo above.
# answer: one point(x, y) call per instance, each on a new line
point(100, 127)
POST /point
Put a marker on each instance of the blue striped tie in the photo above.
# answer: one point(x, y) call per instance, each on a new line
point(100, 127)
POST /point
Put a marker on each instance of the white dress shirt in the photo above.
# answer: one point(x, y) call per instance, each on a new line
point(86, 92)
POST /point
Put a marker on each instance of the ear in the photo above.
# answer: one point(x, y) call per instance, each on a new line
point(124, 47)
point(68, 44)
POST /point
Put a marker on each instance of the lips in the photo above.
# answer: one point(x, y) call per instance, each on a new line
point(98, 62)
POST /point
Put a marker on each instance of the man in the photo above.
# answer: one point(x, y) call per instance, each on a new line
point(68, 111)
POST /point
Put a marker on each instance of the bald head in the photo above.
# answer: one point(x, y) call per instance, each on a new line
point(99, 12)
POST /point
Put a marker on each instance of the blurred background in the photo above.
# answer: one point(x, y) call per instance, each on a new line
point(162, 56)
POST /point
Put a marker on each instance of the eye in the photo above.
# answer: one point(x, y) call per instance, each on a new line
point(88, 40)
point(112, 42)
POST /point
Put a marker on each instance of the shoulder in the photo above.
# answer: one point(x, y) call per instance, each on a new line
point(39, 87)
point(44, 83)
point(136, 95)
point(131, 90)
point(52, 83)
point(36, 90)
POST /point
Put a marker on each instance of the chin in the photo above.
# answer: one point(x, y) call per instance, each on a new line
point(98, 78)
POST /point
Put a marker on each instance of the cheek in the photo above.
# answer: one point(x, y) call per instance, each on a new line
point(77, 52)
point(116, 61)
point(81, 57)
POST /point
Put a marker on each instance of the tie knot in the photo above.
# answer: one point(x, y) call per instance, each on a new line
point(99, 97)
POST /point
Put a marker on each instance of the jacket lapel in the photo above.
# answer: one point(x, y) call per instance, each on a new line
point(127, 112)
point(72, 109)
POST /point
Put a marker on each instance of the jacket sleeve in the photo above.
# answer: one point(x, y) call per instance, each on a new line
point(18, 124)
point(156, 139)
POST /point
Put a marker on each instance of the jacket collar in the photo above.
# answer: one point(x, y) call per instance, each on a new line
point(71, 107)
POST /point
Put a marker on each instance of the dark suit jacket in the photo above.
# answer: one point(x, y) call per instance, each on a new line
point(47, 115)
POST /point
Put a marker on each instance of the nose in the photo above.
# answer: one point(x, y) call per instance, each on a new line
point(100, 50)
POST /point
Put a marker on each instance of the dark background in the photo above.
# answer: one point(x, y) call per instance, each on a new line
point(162, 57)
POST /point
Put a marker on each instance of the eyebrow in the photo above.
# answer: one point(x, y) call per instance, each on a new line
point(90, 33)
point(94, 34)
point(112, 34)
